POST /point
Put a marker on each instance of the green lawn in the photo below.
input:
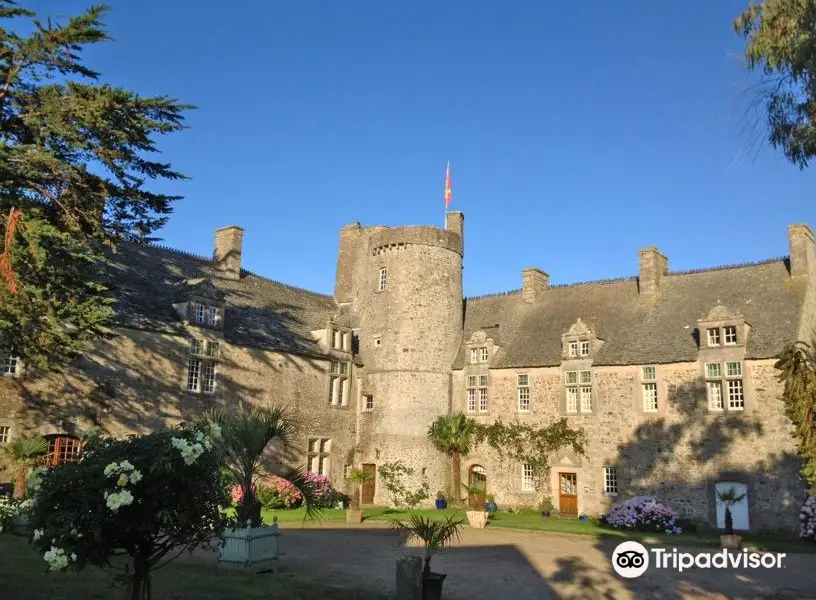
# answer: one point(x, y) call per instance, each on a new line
point(23, 576)
point(534, 522)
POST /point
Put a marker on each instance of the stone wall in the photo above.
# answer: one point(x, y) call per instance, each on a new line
point(135, 384)
point(409, 336)
point(677, 453)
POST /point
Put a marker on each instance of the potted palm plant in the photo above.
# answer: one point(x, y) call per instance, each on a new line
point(245, 436)
point(476, 514)
point(434, 534)
point(729, 498)
point(357, 477)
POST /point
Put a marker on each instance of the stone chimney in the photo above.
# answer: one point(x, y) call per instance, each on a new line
point(227, 253)
point(802, 254)
point(654, 267)
point(455, 221)
point(351, 237)
point(534, 281)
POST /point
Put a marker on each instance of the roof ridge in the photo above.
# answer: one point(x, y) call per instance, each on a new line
point(243, 271)
point(494, 294)
point(732, 266)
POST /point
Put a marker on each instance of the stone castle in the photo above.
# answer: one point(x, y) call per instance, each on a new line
point(671, 374)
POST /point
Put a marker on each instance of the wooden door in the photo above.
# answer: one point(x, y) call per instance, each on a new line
point(367, 493)
point(568, 493)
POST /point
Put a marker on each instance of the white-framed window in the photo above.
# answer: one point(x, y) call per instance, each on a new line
point(478, 355)
point(339, 383)
point(523, 392)
point(610, 481)
point(579, 391)
point(377, 342)
point(5, 434)
point(202, 369)
point(204, 315)
point(730, 335)
point(724, 386)
point(578, 349)
point(527, 478)
point(317, 459)
point(477, 399)
point(10, 366)
point(648, 384)
point(713, 335)
point(383, 279)
point(368, 402)
point(341, 340)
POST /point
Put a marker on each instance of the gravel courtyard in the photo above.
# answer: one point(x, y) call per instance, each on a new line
point(525, 566)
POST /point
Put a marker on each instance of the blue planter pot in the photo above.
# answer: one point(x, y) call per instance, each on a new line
point(490, 507)
point(441, 504)
point(583, 518)
point(545, 513)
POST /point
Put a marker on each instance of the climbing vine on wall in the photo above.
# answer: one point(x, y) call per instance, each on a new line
point(532, 445)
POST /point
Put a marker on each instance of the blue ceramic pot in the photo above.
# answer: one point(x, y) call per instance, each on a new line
point(490, 507)
point(441, 504)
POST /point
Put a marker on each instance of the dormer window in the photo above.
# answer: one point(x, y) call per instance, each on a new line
point(722, 327)
point(204, 315)
point(478, 355)
point(341, 340)
point(578, 341)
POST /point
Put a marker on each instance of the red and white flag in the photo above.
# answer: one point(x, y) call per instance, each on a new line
point(448, 189)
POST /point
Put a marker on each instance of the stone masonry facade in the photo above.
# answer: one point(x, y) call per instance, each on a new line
point(670, 374)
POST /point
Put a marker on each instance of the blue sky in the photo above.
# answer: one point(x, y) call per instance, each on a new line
point(578, 132)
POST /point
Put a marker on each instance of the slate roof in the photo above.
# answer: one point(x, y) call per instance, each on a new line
point(147, 280)
point(634, 332)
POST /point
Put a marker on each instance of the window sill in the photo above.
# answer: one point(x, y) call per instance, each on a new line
point(610, 494)
point(341, 406)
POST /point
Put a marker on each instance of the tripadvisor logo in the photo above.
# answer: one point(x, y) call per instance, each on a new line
point(631, 559)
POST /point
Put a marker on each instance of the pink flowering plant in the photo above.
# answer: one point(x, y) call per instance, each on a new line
point(644, 513)
point(323, 490)
point(280, 493)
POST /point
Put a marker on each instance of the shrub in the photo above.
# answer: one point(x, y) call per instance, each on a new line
point(807, 516)
point(144, 496)
point(280, 493)
point(10, 509)
point(321, 488)
point(643, 513)
point(392, 476)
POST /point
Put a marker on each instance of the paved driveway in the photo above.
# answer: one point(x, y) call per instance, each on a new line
point(499, 564)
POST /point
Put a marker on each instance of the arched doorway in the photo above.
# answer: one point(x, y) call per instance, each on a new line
point(477, 475)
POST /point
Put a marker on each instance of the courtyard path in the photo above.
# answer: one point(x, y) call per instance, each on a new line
point(498, 564)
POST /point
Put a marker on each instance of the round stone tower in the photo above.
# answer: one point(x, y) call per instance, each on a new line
point(408, 300)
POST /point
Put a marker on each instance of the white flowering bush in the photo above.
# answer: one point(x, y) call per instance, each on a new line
point(807, 517)
point(145, 496)
point(10, 509)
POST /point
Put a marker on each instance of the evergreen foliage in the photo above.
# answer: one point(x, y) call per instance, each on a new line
point(797, 371)
point(74, 160)
point(781, 42)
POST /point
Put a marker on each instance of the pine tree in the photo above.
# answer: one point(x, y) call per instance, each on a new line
point(74, 159)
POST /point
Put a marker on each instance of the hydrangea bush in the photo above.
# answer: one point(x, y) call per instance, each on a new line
point(10, 509)
point(142, 496)
point(644, 513)
point(321, 487)
point(280, 493)
point(807, 516)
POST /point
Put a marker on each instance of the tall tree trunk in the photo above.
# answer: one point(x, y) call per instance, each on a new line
point(139, 588)
point(20, 483)
point(456, 465)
